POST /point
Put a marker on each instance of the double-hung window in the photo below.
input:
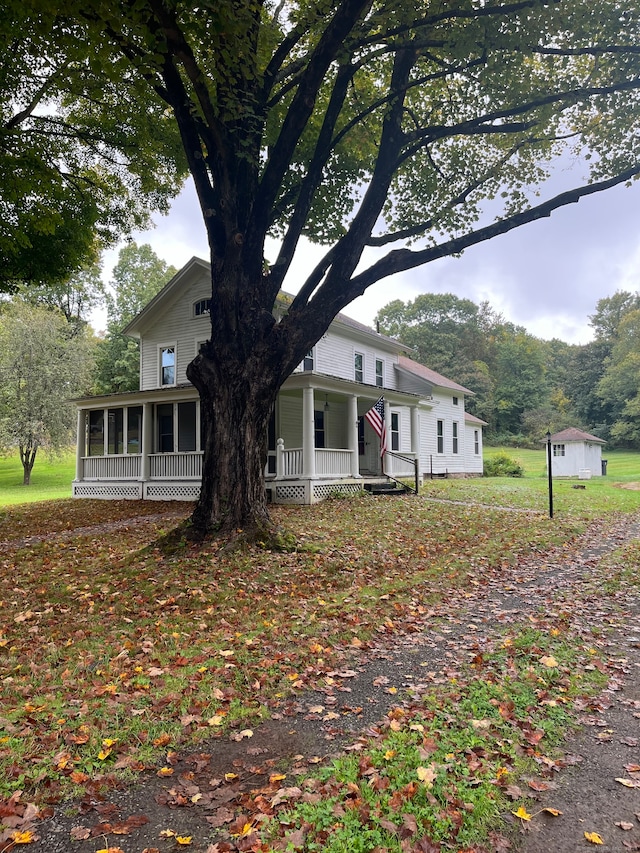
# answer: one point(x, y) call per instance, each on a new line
point(358, 367)
point(168, 365)
point(395, 431)
point(455, 437)
point(440, 436)
point(379, 372)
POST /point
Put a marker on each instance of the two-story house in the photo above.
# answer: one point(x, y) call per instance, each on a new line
point(146, 444)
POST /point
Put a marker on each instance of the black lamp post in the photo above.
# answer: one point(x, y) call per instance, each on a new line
point(549, 473)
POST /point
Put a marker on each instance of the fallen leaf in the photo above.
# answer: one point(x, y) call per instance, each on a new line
point(624, 824)
point(165, 771)
point(80, 833)
point(629, 783)
point(522, 813)
point(426, 775)
point(184, 839)
point(26, 837)
point(549, 661)
point(554, 812)
point(593, 837)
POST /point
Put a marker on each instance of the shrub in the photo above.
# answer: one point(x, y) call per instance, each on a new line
point(502, 465)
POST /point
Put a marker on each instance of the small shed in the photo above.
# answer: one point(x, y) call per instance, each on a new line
point(575, 453)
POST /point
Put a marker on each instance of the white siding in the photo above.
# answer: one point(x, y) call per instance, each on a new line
point(335, 356)
point(578, 455)
point(472, 461)
point(178, 326)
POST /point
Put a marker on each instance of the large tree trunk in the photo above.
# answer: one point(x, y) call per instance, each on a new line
point(235, 413)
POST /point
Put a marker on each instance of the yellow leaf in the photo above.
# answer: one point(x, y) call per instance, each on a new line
point(23, 837)
point(165, 771)
point(277, 777)
point(167, 833)
point(229, 777)
point(216, 720)
point(389, 754)
point(549, 661)
point(554, 812)
point(426, 775)
point(104, 753)
point(184, 839)
point(593, 837)
point(522, 813)
point(629, 783)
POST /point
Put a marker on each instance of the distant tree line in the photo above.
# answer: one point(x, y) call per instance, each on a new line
point(524, 385)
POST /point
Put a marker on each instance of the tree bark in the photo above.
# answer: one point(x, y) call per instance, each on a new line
point(28, 458)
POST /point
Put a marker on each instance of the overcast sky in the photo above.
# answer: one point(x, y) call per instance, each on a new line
point(546, 276)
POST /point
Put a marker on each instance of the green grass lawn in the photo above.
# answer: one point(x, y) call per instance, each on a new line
point(621, 464)
point(118, 649)
point(50, 479)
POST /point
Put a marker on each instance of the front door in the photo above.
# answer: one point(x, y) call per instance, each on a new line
point(368, 449)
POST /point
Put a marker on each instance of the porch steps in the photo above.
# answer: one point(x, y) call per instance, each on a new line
point(388, 488)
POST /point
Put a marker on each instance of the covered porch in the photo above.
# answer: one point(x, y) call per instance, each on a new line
point(147, 445)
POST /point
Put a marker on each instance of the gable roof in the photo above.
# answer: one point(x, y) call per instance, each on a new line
point(472, 419)
point(573, 434)
point(430, 376)
point(198, 266)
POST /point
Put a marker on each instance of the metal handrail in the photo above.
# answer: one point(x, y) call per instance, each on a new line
point(413, 461)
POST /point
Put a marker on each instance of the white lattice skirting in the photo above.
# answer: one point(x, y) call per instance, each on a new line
point(282, 493)
point(108, 491)
point(172, 491)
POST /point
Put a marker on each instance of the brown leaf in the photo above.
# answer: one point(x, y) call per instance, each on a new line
point(80, 833)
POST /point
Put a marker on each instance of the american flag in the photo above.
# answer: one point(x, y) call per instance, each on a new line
point(375, 416)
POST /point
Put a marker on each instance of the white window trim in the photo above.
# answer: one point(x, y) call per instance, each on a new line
point(380, 361)
point(455, 438)
point(440, 436)
point(361, 354)
point(199, 343)
point(162, 347)
point(206, 313)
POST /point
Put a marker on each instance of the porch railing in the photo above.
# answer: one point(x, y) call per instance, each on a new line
point(290, 462)
point(175, 466)
point(329, 462)
point(333, 462)
point(121, 467)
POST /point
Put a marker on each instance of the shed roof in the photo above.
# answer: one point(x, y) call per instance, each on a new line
point(574, 434)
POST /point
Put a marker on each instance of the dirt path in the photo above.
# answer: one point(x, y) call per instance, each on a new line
point(587, 793)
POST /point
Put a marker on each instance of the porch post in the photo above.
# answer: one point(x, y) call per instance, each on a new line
point(387, 464)
point(147, 439)
point(81, 442)
point(280, 459)
point(308, 435)
point(352, 437)
point(415, 434)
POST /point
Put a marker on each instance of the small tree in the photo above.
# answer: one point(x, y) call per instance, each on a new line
point(43, 363)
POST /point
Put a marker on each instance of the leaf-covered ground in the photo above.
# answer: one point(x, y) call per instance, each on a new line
point(119, 659)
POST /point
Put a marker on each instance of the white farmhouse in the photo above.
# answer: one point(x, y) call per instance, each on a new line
point(576, 454)
point(146, 444)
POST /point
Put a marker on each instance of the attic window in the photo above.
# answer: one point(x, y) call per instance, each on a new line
point(202, 307)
